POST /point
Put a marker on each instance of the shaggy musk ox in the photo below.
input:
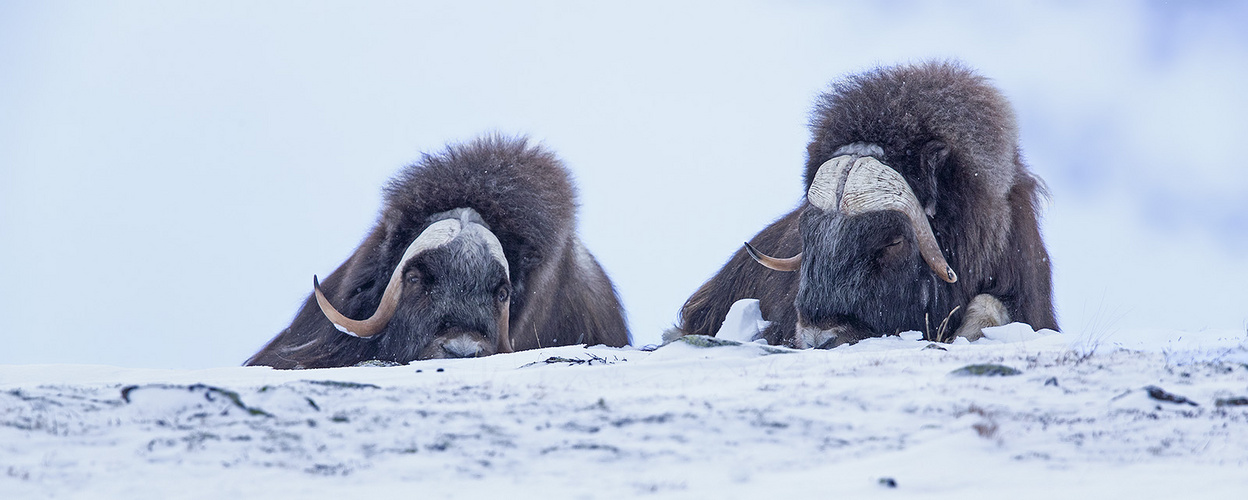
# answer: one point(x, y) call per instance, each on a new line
point(919, 215)
point(475, 253)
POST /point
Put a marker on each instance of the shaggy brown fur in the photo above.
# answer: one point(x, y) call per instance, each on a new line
point(954, 139)
point(560, 295)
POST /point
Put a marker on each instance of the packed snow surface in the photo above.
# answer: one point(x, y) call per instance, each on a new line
point(1019, 413)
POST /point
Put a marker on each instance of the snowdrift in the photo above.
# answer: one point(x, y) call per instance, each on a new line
point(1020, 413)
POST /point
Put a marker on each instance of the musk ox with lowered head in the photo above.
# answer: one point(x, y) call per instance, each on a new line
point(475, 253)
point(919, 215)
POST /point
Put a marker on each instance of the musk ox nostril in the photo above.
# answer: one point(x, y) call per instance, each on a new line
point(462, 346)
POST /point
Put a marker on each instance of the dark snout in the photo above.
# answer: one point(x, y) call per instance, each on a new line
point(459, 311)
point(861, 276)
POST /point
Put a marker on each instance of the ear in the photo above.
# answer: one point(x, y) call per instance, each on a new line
point(932, 161)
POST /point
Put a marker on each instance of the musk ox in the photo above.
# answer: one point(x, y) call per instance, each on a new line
point(919, 215)
point(475, 252)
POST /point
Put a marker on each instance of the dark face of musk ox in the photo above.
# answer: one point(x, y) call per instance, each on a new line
point(452, 299)
point(860, 277)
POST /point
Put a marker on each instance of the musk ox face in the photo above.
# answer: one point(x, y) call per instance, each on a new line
point(854, 270)
point(870, 263)
point(449, 297)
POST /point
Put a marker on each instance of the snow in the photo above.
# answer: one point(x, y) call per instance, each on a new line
point(744, 322)
point(696, 418)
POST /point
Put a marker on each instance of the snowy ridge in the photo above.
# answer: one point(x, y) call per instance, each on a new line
point(1164, 415)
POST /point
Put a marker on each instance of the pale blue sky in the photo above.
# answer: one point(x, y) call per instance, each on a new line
point(173, 173)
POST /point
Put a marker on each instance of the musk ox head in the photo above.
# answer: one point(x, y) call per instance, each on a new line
point(449, 297)
point(867, 246)
point(918, 212)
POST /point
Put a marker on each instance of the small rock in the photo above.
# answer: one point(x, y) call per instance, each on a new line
point(985, 370)
point(935, 347)
point(1161, 395)
point(1231, 402)
point(888, 482)
point(1051, 381)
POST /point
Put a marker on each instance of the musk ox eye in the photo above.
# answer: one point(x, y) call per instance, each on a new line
point(893, 251)
point(412, 277)
point(502, 294)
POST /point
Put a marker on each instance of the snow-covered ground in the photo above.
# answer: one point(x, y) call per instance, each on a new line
point(1132, 415)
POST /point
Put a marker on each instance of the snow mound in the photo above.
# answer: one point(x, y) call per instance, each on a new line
point(699, 417)
point(744, 322)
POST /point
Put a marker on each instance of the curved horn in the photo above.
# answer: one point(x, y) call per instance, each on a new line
point(870, 186)
point(436, 235)
point(357, 328)
point(790, 264)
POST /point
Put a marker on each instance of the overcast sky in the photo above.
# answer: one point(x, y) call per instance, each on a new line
point(173, 173)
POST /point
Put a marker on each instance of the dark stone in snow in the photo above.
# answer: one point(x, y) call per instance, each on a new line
point(1232, 402)
point(1051, 381)
point(1161, 395)
point(888, 482)
point(985, 370)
